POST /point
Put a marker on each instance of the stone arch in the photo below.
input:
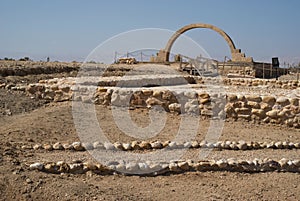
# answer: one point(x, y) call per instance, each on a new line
point(236, 54)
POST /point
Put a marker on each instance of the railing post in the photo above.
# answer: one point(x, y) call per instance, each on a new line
point(263, 70)
point(115, 56)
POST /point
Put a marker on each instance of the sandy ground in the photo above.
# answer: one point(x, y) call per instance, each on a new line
point(27, 121)
point(53, 122)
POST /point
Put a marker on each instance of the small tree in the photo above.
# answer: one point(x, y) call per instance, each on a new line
point(25, 59)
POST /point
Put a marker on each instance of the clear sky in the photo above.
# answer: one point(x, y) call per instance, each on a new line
point(71, 29)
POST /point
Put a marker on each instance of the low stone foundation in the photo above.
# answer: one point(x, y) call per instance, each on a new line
point(268, 109)
point(283, 84)
point(168, 145)
point(174, 167)
point(278, 105)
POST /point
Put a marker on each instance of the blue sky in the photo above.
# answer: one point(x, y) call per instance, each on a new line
point(71, 29)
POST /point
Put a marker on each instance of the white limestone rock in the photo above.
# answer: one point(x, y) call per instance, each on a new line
point(37, 166)
point(77, 146)
point(109, 146)
point(156, 145)
point(58, 146)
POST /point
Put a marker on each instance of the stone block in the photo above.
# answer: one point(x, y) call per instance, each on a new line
point(253, 104)
point(282, 101)
point(272, 114)
point(259, 113)
point(231, 98)
point(254, 98)
point(175, 107)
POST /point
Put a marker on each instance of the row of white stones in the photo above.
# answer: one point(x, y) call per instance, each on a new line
point(144, 145)
point(158, 168)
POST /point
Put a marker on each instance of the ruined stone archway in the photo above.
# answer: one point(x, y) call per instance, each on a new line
point(236, 55)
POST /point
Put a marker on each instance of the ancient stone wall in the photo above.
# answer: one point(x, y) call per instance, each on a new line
point(281, 84)
point(262, 108)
